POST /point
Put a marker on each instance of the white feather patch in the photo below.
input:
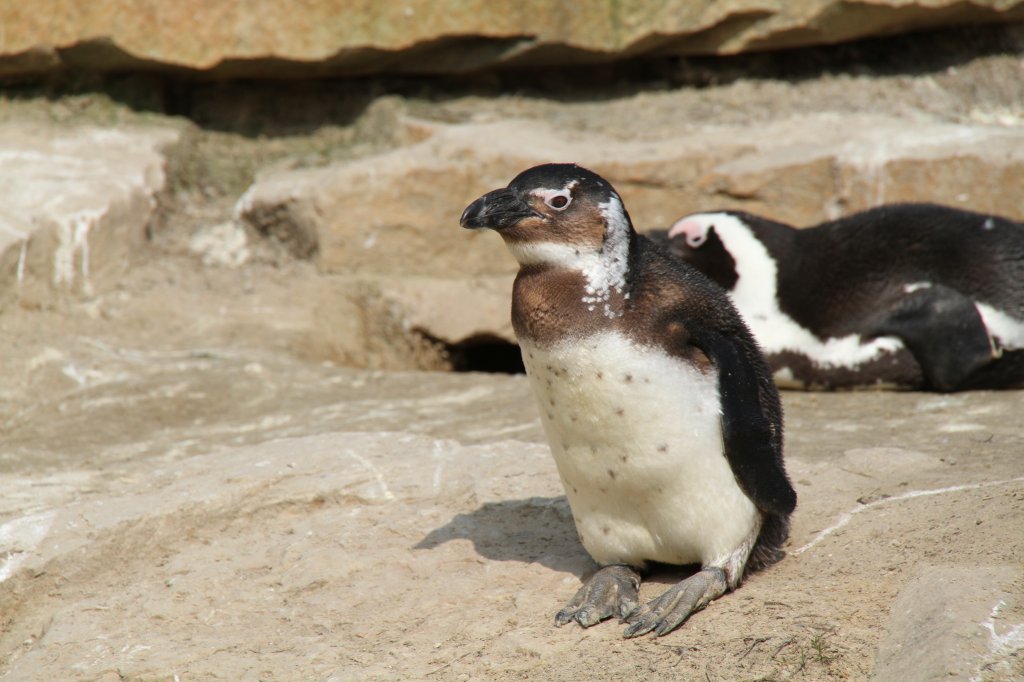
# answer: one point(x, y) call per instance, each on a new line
point(1008, 330)
point(637, 438)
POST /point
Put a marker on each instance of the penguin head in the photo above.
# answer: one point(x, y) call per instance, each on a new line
point(548, 209)
point(697, 240)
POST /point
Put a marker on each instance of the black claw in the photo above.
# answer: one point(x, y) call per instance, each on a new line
point(563, 617)
point(587, 617)
point(637, 629)
point(665, 627)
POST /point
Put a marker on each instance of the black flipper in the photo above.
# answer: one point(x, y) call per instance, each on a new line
point(944, 331)
point(1006, 372)
point(751, 426)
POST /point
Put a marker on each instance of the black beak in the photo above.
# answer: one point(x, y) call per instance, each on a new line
point(497, 210)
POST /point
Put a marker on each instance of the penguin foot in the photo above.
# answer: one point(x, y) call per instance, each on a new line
point(611, 591)
point(667, 612)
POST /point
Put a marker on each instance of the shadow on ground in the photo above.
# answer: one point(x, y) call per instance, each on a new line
point(531, 530)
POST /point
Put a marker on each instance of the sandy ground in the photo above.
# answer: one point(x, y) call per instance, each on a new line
point(235, 515)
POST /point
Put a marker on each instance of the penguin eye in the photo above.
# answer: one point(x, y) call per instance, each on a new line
point(559, 200)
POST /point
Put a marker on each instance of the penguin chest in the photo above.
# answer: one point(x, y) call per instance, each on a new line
point(636, 435)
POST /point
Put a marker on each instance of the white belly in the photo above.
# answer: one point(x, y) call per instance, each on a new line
point(637, 439)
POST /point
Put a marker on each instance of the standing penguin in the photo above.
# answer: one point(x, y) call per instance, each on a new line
point(660, 411)
point(911, 295)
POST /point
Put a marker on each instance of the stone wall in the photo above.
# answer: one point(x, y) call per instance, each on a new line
point(367, 212)
point(77, 202)
point(340, 37)
point(394, 216)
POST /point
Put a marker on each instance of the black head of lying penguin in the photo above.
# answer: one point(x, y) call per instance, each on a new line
point(697, 240)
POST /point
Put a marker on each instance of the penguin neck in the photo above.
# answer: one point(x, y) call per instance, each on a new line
point(568, 292)
point(605, 267)
point(602, 272)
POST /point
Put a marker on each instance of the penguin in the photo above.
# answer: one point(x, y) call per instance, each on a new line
point(660, 411)
point(911, 296)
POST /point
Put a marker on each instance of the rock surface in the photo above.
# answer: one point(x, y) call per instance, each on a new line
point(73, 230)
point(934, 640)
point(238, 515)
point(77, 202)
point(340, 37)
point(395, 214)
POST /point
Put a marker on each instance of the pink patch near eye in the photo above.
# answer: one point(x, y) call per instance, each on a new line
point(693, 230)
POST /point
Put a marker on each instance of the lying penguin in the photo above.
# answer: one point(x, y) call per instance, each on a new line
point(906, 295)
point(660, 411)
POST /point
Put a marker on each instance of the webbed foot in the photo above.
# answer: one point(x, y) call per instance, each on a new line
point(611, 591)
point(671, 609)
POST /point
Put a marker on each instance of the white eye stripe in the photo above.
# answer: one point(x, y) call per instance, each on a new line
point(694, 231)
point(558, 199)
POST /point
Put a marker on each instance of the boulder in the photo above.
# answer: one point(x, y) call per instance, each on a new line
point(929, 640)
point(77, 201)
point(340, 37)
point(396, 214)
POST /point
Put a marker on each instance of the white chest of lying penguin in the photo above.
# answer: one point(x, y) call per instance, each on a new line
point(637, 438)
point(660, 411)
